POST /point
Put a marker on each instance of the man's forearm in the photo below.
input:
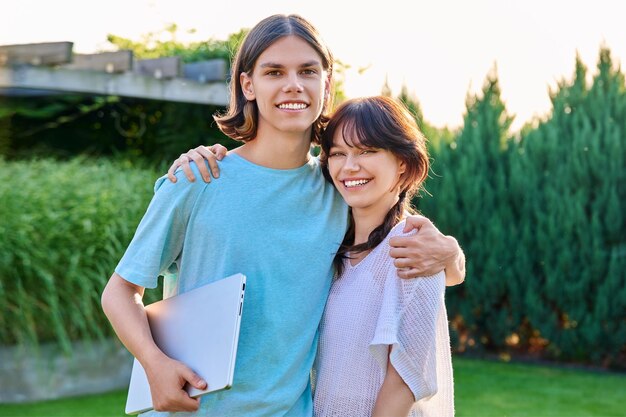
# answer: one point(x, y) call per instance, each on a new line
point(455, 268)
point(123, 307)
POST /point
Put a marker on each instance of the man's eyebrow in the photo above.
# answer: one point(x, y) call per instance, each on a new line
point(311, 64)
point(271, 65)
point(277, 65)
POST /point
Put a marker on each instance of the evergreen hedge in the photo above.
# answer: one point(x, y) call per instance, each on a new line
point(64, 227)
point(541, 219)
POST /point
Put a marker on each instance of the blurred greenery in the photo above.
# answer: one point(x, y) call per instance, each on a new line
point(64, 227)
point(165, 43)
point(540, 216)
point(482, 389)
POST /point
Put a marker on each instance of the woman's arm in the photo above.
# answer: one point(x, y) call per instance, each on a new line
point(427, 252)
point(123, 306)
point(212, 154)
point(395, 397)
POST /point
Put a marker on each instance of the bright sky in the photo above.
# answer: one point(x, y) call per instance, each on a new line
point(440, 49)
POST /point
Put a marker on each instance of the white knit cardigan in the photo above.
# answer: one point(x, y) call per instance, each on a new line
point(368, 310)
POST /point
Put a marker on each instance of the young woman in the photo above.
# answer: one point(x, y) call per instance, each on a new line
point(271, 216)
point(384, 345)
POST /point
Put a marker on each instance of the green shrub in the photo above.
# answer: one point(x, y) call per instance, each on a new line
point(541, 219)
point(64, 227)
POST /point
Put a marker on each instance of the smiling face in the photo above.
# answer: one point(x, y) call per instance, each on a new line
point(288, 83)
point(367, 178)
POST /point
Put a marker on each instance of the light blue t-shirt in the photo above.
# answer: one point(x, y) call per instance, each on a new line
point(280, 228)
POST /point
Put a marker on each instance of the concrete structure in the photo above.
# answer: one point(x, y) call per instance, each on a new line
point(28, 374)
point(42, 69)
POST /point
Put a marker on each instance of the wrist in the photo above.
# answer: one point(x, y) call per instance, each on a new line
point(454, 250)
point(455, 265)
point(150, 357)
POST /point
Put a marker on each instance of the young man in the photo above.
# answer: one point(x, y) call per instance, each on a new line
point(271, 216)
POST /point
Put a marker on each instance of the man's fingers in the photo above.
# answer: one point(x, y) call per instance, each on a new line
point(180, 402)
point(401, 242)
point(398, 253)
point(401, 263)
point(408, 273)
point(194, 379)
point(414, 222)
point(189, 404)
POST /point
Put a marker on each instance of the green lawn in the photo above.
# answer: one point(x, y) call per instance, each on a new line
point(483, 388)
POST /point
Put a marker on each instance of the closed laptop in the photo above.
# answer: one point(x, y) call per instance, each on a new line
point(199, 328)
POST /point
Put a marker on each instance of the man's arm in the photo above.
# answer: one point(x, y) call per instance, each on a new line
point(455, 269)
point(427, 252)
point(123, 306)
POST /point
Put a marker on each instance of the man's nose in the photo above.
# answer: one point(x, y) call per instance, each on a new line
point(293, 83)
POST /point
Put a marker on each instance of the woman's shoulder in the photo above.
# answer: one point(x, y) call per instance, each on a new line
point(382, 250)
point(398, 230)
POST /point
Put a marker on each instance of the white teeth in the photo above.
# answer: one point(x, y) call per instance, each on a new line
point(292, 106)
point(355, 183)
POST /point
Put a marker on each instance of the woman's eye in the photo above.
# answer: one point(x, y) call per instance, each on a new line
point(367, 151)
point(309, 72)
point(273, 73)
point(335, 154)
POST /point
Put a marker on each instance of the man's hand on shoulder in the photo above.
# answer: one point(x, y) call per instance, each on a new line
point(427, 252)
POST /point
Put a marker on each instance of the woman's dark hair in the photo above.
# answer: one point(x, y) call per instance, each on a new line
point(241, 119)
point(382, 123)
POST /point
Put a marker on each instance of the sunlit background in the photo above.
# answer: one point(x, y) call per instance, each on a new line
point(440, 50)
point(539, 212)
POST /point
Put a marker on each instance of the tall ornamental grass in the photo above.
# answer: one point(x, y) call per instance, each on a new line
point(63, 227)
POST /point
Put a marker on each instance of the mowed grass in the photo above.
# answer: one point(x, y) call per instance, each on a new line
point(483, 388)
point(486, 388)
point(101, 405)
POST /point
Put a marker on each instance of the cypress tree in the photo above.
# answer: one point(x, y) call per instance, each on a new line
point(470, 202)
point(577, 186)
point(541, 220)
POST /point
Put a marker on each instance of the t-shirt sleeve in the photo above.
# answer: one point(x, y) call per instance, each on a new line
point(407, 322)
point(158, 240)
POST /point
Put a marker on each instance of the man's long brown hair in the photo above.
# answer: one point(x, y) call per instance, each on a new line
point(240, 121)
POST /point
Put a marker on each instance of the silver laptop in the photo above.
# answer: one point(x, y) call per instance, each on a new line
point(199, 328)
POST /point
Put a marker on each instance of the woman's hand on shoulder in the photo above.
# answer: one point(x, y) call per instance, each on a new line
point(198, 155)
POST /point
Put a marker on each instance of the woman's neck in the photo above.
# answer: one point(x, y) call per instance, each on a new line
point(278, 150)
point(364, 224)
point(369, 218)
